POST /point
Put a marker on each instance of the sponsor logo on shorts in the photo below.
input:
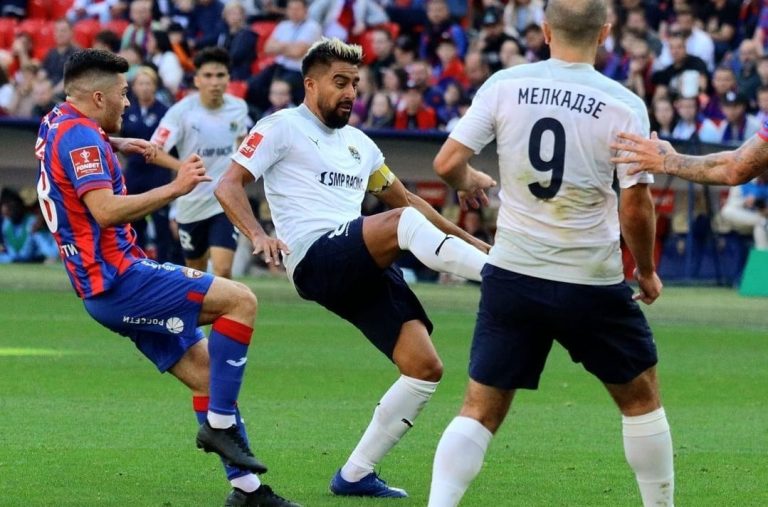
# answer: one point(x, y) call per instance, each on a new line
point(191, 273)
point(143, 321)
point(248, 148)
point(86, 161)
point(167, 266)
point(175, 325)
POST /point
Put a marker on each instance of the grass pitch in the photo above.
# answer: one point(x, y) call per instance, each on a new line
point(87, 421)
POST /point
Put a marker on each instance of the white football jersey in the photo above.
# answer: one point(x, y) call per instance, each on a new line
point(553, 123)
point(315, 177)
point(211, 133)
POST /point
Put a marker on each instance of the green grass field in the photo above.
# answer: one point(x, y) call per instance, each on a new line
point(85, 420)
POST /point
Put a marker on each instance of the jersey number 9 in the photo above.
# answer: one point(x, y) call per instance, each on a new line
point(556, 164)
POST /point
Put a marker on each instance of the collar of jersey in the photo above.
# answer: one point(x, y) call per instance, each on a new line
point(306, 113)
point(572, 65)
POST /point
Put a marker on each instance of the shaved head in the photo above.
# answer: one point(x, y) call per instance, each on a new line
point(576, 21)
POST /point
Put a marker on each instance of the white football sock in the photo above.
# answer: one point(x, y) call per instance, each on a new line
point(458, 459)
point(393, 417)
point(221, 421)
point(436, 249)
point(248, 482)
point(648, 448)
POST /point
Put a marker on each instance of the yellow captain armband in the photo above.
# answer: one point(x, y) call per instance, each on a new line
point(380, 179)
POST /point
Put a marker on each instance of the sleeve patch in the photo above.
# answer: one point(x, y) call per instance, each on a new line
point(161, 136)
point(86, 161)
point(248, 148)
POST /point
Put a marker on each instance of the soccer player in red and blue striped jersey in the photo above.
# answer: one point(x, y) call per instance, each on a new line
point(159, 307)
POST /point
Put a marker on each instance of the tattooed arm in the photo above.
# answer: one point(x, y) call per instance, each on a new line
point(725, 168)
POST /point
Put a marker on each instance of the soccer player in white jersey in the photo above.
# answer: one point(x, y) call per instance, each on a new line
point(212, 124)
point(555, 270)
point(316, 171)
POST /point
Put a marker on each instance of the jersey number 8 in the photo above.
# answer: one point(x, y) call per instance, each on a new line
point(47, 205)
point(556, 164)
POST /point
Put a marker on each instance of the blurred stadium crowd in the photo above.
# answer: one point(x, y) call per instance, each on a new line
point(700, 66)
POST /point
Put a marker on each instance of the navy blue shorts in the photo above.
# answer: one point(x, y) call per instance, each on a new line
point(197, 237)
point(157, 306)
point(339, 273)
point(519, 317)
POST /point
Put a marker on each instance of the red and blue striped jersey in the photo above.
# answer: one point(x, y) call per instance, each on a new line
point(76, 157)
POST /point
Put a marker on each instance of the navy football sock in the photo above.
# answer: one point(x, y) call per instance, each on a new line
point(228, 349)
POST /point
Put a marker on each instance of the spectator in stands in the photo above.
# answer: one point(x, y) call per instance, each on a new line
point(177, 36)
point(381, 114)
point(238, 39)
point(103, 10)
point(697, 41)
point(415, 114)
point(688, 124)
point(439, 27)
point(738, 125)
point(663, 117)
point(420, 77)
point(288, 43)
point(140, 121)
point(135, 57)
point(405, 51)
point(107, 40)
point(449, 67)
point(161, 55)
point(745, 68)
point(43, 96)
point(279, 97)
point(138, 32)
point(21, 50)
point(53, 64)
point(520, 14)
point(762, 104)
point(25, 237)
point(269, 9)
point(511, 54)
point(685, 76)
point(393, 84)
point(721, 19)
point(637, 24)
point(204, 20)
point(366, 87)
point(6, 92)
point(535, 48)
point(723, 81)
point(13, 8)
point(653, 11)
point(492, 36)
point(347, 19)
point(640, 70)
point(477, 70)
point(474, 224)
point(449, 110)
point(383, 51)
point(408, 14)
point(23, 100)
point(745, 209)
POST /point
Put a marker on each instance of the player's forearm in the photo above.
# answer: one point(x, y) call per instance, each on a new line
point(638, 226)
point(726, 168)
point(167, 161)
point(439, 220)
point(123, 209)
point(236, 205)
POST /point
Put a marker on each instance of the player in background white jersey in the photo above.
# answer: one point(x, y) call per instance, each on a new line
point(212, 124)
point(555, 270)
point(316, 171)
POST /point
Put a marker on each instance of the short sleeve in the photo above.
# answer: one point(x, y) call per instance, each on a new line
point(84, 155)
point(477, 127)
point(376, 157)
point(639, 124)
point(264, 146)
point(169, 131)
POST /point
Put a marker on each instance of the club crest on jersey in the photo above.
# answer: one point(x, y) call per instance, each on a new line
point(161, 137)
point(248, 148)
point(233, 126)
point(191, 273)
point(355, 154)
point(86, 161)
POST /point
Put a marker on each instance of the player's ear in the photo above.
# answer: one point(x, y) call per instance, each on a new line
point(605, 31)
point(547, 32)
point(98, 98)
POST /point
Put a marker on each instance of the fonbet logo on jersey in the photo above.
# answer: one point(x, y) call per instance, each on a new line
point(86, 161)
point(248, 148)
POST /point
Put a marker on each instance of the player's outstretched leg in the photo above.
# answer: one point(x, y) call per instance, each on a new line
point(437, 250)
point(394, 415)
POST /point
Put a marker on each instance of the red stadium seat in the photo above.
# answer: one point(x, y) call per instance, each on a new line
point(7, 29)
point(237, 88)
point(263, 29)
point(59, 8)
point(366, 42)
point(117, 25)
point(262, 63)
point(84, 32)
point(41, 32)
point(38, 9)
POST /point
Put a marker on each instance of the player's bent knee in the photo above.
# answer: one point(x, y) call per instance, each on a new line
point(430, 370)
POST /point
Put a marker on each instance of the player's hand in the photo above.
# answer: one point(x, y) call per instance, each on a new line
point(473, 194)
point(191, 172)
point(134, 146)
point(480, 245)
point(270, 249)
point(644, 154)
point(650, 287)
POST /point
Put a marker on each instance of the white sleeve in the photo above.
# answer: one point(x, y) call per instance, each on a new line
point(265, 145)
point(169, 131)
point(637, 123)
point(477, 127)
point(377, 157)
